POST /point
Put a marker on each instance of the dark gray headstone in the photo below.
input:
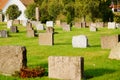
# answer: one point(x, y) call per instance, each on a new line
point(14, 29)
point(3, 33)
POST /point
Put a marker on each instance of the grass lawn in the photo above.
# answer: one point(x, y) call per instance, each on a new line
point(97, 66)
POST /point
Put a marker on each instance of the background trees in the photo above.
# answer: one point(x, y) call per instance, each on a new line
point(13, 12)
point(69, 10)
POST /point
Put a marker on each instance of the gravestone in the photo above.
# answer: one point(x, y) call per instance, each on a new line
point(12, 59)
point(57, 22)
point(14, 29)
point(88, 24)
point(9, 23)
point(24, 23)
point(39, 26)
point(66, 68)
point(16, 21)
point(99, 24)
point(30, 30)
point(93, 27)
point(66, 27)
point(3, 33)
point(1, 17)
point(80, 41)
point(117, 25)
point(115, 52)
point(37, 13)
point(78, 25)
point(49, 29)
point(49, 24)
point(46, 39)
point(111, 25)
point(83, 24)
point(108, 42)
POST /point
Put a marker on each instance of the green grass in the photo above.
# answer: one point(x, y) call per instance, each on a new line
point(97, 66)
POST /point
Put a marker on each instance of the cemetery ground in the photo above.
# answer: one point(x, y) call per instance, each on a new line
point(97, 66)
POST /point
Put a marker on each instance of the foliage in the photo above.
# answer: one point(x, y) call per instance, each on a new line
point(30, 11)
point(13, 12)
point(117, 17)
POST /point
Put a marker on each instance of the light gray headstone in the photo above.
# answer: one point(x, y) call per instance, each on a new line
point(24, 23)
point(9, 23)
point(49, 24)
point(117, 25)
point(93, 27)
point(80, 41)
point(39, 26)
point(4, 33)
point(111, 25)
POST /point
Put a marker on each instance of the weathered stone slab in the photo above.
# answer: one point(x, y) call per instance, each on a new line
point(1, 17)
point(16, 21)
point(12, 59)
point(49, 24)
point(117, 25)
point(80, 41)
point(14, 29)
point(9, 23)
point(3, 33)
point(99, 24)
point(108, 42)
point(58, 22)
point(66, 68)
point(37, 15)
point(30, 33)
point(46, 39)
point(93, 27)
point(111, 25)
point(115, 52)
point(66, 27)
point(78, 25)
point(29, 26)
point(40, 27)
point(49, 29)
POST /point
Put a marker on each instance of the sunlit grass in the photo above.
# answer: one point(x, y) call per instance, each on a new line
point(97, 66)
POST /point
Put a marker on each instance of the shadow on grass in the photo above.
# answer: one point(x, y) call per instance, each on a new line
point(94, 45)
point(91, 73)
point(62, 43)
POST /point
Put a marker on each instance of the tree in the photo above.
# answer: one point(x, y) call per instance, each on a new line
point(13, 12)
point(30, 11)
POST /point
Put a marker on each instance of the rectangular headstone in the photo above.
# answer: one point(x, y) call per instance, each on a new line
point(66, 27)
point(1, 17)
point(29, 26)
point(46, 39)
point(99, 24)
point(49, 24)
point(93, 27)
point(39, 26)
point(14, 29)
point(80, 41)
point(9, 23)
point(16, 21)
point(78, 25)
point(57, 22)
point(49, 29)
point(30, 33)
point(66, 68)
point(3, 33)
point(111, 25)
point(108, 42)
point(12, 59)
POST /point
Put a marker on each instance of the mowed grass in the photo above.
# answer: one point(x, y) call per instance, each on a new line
point(97, 66)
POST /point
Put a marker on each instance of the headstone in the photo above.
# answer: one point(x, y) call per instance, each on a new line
point(37, 13)
point(34, 23)
point(49, 24)
point(1, 17)
point(24, 23)
point(115, 52)
point(14, 29)
point(57, 22)
point(111, 25)
point(30, 30)
point(78, 24)
point(108, 42)
point(66, 68)
point(3, 33)
point(93, 27)
point(83, 24)
point(49, 29)
point(46, 39)
point(12, 59)
point(39, 26)
point(66, 27)
point(88, 24)
point(117, 25)
point(99, 24)
point(16, 21)
point(80, 41)
point(9, 23)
